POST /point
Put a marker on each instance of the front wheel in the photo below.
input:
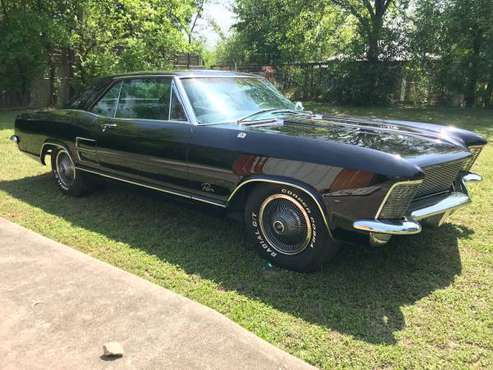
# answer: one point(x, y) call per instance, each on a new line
point(69, 180)
point(288, 229)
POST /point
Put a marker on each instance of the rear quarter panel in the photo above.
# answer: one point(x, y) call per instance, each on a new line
point(34, 129)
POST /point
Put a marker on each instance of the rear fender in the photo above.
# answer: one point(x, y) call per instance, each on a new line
point(48, 147)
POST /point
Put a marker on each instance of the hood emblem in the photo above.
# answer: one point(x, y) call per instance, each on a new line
point(241, 135)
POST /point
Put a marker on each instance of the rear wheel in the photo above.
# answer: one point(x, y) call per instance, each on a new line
point(288, 229)
point(69, 180)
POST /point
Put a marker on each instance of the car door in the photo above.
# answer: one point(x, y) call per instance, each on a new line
point(146, 139)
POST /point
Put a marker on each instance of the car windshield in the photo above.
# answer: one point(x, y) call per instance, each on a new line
point(225, 99)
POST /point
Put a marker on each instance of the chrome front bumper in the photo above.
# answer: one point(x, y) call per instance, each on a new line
point(410, 225)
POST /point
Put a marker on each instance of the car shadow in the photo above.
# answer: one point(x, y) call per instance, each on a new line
point(360, 292)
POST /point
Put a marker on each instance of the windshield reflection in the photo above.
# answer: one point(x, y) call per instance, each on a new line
point(224, 99)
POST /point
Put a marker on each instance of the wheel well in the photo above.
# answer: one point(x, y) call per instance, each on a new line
point(238, 201)
point(47, 148)
point(239, 198)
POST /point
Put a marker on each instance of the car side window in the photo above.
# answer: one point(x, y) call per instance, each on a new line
point(106, 106)
point(176, 113)
point(146, 98)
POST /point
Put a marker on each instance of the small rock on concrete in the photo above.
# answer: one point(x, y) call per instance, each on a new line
point(112, 349)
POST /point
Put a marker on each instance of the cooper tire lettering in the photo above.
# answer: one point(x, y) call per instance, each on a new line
point(303, 249)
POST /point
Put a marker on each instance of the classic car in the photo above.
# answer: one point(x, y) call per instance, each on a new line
point(303, 182)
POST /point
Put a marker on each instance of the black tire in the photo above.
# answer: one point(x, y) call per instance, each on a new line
point(287, 228)
point(69, 180)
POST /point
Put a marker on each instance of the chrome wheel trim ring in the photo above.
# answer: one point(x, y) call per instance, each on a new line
point(65, 169)
point(265, 224)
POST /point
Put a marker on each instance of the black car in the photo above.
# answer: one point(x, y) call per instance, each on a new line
point(304, 182)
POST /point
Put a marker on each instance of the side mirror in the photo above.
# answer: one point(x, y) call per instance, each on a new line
point(298, 106)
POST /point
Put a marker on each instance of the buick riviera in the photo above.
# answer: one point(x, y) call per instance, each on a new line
point(302, 182)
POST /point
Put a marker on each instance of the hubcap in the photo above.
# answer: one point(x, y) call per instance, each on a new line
point(65, 169)
point(285, 224)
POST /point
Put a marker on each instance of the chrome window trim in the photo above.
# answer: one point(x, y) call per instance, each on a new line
point(190, 113)
point(118, 99)
point(100, 96)
point(119, 80)
point(219, 76)
point(189, 107)
point(192, 197)
point(319, 206)
point(142, 76)
point(171, 99)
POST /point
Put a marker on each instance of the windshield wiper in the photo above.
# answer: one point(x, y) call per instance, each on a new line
point(271, 110)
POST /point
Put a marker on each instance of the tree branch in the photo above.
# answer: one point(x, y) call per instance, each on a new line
point(352, 9)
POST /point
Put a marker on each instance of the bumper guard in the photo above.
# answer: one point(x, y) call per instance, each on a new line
point(410, 225)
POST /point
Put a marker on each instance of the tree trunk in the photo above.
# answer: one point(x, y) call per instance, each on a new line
point(372, 54)
point(189, 57)
point(488, 98)
point(51, 79)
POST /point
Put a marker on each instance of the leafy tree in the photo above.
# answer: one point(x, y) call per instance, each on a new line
point(371, 22)
point(454, 43)
point(90, 37)
point(284, 31)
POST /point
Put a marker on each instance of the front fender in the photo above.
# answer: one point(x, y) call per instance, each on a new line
point(304, 187)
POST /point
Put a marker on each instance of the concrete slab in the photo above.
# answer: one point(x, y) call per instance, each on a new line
point(59, 306)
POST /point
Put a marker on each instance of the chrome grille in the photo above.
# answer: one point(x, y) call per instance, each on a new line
point(475, 151)
point(398, 201)
point(439, 178)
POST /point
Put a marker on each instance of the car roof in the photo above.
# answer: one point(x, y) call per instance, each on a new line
point(187, 73)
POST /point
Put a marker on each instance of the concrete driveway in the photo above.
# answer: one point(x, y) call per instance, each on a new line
point(59, 306)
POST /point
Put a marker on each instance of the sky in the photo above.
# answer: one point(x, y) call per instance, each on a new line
point(220, 11)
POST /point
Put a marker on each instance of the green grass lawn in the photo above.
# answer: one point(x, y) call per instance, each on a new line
point(422, 301)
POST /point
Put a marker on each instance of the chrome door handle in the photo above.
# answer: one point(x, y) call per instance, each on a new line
point(108, 125)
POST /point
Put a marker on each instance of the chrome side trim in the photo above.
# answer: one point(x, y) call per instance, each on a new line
point(405, 227)
point(390, 192)
point(77, 139)
point(320, 208)
point(153, 187)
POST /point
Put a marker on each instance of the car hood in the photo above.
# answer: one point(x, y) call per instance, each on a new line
point(419, 145)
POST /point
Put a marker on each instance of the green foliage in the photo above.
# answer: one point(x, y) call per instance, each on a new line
point(282, 31)
point(18, 63)
point(359, 34)
point(131, 35)
point(363, 83)
point(89, 38)
point(453, 42)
